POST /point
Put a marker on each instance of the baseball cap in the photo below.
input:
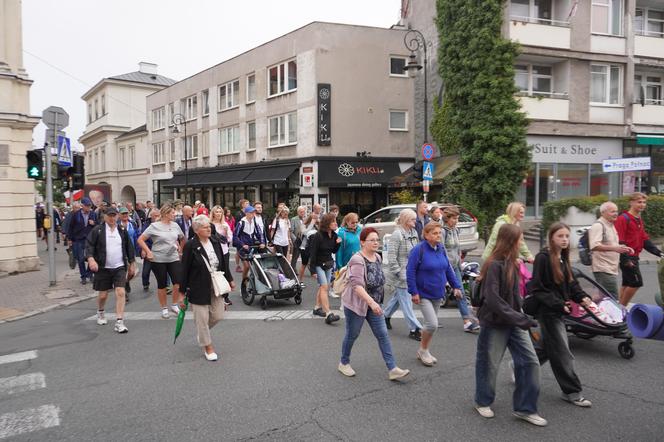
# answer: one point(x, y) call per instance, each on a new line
point(249, 209)
point(86, 201)
point(123, 210)
point(111, 211)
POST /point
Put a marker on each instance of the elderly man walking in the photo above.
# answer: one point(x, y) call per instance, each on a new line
point(80, 226)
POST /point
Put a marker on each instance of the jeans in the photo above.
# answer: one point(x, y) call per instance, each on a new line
point(354, 324)
point(323, 275)
point(401, 298)
point(491, 345)
point(463, 302)
point(79, 253)
point(554, 347)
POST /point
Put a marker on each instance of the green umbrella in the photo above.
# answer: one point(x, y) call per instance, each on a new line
point(180, 321)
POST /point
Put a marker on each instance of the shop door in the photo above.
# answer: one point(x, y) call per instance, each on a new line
point(546, 174)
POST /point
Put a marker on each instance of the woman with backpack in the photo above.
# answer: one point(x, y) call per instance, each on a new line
point(324, 244)
point(553, 285)
point(362, 301)
point(427, 272)
point(504, 326)
point(399, 245)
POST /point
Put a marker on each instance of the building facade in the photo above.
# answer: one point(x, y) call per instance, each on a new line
point(322, 115)
point(18, 244)
point(115, 137)
point(590, 78)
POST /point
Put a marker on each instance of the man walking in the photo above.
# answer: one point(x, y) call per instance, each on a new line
point(110, 256)
point(297, 230)
point(185, 220)
point(603, 241)
point(80, 226)
point(632, 233)
point(422, 219)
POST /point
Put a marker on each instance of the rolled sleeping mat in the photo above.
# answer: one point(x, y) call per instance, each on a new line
point(646, 321)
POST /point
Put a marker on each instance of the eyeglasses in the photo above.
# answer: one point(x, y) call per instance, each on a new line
point(371, 240)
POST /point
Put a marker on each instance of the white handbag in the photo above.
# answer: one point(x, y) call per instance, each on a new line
point(220, 285)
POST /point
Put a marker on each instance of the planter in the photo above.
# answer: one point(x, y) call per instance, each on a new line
point(578, 220)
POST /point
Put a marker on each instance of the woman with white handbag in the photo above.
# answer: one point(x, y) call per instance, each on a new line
point(205, 278)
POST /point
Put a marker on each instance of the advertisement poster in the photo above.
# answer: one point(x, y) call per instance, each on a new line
point(98, 193)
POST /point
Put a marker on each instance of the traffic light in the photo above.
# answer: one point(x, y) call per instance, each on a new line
point(417, 170)
point(78, 173)
point(64, 173)
point(35, 168)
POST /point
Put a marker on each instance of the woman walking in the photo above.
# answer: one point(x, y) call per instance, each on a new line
point(427, 272)
point(230, 219)
point(362, 300)
point(514, 213)
point(505, 326)
point(553, 285)
point(223, 233)
point(399, 245)
point(280, 232)
point(167, 243)
point(324, 244)
point(202, 254)
point(453, 249)
point(310, 228)
point(350, 239)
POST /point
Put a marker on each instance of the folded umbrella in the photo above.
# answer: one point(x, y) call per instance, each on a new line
point(180, 321)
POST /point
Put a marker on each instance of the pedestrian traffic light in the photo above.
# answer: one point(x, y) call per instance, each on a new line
point(64, 172)
point(78, 173)
point(417, 171)
point(35, 168)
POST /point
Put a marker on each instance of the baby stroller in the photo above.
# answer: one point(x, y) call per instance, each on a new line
point(608, 318)
point(270, 274)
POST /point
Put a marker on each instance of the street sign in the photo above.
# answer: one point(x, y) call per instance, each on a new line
point(626, 164)
point(427, 171)
point(427, 151)
point(64, 151)
point(53, 115)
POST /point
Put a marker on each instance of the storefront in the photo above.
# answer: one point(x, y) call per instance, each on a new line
point(564, 167)
point(647, 181)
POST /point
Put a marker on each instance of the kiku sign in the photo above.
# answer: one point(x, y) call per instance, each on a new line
point(324, 114)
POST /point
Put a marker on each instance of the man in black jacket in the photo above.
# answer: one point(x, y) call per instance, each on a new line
point(110, 256)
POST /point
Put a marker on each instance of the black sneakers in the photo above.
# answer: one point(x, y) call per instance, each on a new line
point(331, 318)
point(319, 312)
point(416, 335)
point(388, 323)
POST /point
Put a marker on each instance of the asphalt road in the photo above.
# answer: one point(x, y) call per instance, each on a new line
point(277, 380)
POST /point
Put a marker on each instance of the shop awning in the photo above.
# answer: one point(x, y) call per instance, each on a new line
point(443, 166)
point(650, 139)
point(271, 175)
point(218, 177)
point(357, 173)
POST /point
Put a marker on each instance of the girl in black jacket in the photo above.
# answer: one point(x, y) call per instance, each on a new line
point(324, 244)
point(553, 285)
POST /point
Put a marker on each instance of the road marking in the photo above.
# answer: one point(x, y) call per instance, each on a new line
point(29, 420)
point(258, 315)
point(18, 357)
point(19, 384)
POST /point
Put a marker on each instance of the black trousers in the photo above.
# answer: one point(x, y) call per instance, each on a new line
point(554, 347)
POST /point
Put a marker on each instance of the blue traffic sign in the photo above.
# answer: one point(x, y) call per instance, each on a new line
point(427, 151)
point(427, 171)
point(64, 151)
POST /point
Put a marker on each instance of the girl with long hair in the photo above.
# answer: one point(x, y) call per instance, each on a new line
point(222, 233)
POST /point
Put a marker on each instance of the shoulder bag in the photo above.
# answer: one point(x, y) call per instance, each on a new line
point(220, 285)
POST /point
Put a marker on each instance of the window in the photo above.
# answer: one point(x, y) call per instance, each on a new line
point(251, 88)
point(191, 147)
point(189, 107)
point(171, 113)
point(205, 101)
point(251, 135)
point(96, 109)
point(131, 156)
point(534, 11)
point(121, 159)
point(397, 65)
point(205, 144)
point(228, 95)
point(229, 140)
point(398, 120)
point(171, 148)
point(534, 79)
point(605, 84)
point(158, 118)
point(282, 78)
point(649, 22)
point(648, 88)
point(283, 130)
point(103, 104)
point(158, 153)
point(89, 113)
point(606, 17)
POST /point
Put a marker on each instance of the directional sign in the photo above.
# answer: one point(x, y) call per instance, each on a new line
point(427, 171)
point(427, 151)
point(64, 151)
point(626, 164)
point(55, 115)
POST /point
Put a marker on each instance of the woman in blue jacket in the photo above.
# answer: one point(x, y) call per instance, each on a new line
point(427, 273)
point(350, 239)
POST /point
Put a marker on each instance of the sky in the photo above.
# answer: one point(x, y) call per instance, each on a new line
point(70, 45)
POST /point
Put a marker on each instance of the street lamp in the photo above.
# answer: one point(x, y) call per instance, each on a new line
point(180, 120)
point(414, 41)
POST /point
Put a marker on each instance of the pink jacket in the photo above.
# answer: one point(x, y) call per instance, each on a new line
point(356, 277)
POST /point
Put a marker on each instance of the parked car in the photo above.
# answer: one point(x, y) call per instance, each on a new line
point(383, 221)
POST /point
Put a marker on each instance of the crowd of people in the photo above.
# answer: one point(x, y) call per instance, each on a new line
point(185, 247)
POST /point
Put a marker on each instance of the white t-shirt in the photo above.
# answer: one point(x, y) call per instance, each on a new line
point(164, 240)
point(282, 232)
point(212, 256)
point(114, 258)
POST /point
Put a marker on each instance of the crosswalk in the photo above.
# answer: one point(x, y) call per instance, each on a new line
point(30, 419)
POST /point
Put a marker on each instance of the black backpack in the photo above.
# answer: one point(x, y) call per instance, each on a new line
point(585, 252)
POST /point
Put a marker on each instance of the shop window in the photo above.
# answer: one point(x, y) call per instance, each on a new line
point(572, 180)
point(602, 183)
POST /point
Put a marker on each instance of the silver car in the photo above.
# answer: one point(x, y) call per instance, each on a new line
point(384, 221)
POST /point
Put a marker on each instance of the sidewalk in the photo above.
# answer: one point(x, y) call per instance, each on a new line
point(27, 294)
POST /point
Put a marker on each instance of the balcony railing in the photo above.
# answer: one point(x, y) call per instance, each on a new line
point(541, 21)
point(536, 94)
point(645, 33)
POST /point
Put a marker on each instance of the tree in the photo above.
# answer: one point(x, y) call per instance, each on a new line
point(480, 119)
point(58, 193)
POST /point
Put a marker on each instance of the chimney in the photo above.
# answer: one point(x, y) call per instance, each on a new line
point(147, 68)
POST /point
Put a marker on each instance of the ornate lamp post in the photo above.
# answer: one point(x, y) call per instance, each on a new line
point(180, 120)
point(414, 41)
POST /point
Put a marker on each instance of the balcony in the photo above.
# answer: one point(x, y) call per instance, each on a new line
point(554, 107)
point(649, 46)
point(540, 32)
point(649, 29)
point(651, 114)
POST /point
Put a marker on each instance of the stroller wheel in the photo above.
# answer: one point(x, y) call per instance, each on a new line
point(626, 350)
point(247, 295)
point(298, 299)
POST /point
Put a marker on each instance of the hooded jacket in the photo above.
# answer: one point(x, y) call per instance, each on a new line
point(504, 219)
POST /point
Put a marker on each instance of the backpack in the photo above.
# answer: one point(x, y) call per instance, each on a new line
point(476, 299)
point(341, 279)
point(585, 253)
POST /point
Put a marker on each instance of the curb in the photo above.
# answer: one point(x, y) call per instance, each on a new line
point(61, 304)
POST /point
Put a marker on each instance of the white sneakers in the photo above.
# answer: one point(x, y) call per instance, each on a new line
point(164, 313)
point(580, 402)
point(533, 418)
point(398, 373)
point(101, 319)
point(425, 357)
point(211, 356)
point(120, 327)
point(175, 309)
point(485, 412)
point(346, 370)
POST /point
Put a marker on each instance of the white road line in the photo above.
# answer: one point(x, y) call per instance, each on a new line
point(18, 357)
point(19, 384)
point(29, 420)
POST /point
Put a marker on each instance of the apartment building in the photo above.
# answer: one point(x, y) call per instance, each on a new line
point(322, 114)
point(115, 137)
point(590, 78)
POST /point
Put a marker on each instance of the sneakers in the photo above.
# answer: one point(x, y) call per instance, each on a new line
point(512, 376)
point(146, 288)
point(485, 412)
point(83, 281)
point(211, 356)
point(415, 335)
point(388, 323)
point(319, 312)
point(580, 402)
point(534, 418)
point(101, 319)
point(332, 294)
point(346, 370)
point(120, 327)
point(164, 313)
point(175, 309)
point(425, 357)
point(331, 318)
point(397, 373)
point(471, 327)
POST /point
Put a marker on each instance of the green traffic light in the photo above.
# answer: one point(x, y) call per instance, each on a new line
point(34, 172)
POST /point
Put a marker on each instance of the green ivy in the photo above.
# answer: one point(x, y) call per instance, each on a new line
point(480, 118)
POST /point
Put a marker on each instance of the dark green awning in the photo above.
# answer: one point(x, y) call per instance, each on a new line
point(650, 139)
